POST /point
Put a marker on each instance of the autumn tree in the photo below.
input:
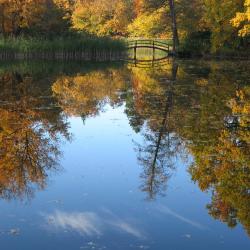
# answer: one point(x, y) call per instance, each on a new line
point(102, 17)
point(40, 16)
point(242, 20)
point(150, 19)
point(20, 14)
point(218, 16)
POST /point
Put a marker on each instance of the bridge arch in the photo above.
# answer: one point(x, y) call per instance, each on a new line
point(150, 44)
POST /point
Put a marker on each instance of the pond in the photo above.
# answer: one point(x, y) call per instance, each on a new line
point(125, 156)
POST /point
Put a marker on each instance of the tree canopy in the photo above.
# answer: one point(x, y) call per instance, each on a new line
point(226, 22)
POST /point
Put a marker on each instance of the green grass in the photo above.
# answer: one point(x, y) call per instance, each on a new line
point(58, 44)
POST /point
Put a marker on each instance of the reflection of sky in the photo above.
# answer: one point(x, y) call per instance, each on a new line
point(101, 200)
point(84, 223)
point(168, 211)
point(90, 224)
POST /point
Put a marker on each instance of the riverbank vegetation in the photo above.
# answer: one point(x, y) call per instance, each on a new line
point(197, 27)
point(72, 46)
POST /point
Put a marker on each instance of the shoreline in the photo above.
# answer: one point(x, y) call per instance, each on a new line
point(100, 56)
point(84, 55)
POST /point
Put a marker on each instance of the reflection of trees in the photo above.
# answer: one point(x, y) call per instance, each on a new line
point(87, 93)
point(222, 161)
point(198, 106)
point(29, 135)
point(156, 157)
point(147, 102)
point(225, 168)
point(211, 115)
point(153, 102)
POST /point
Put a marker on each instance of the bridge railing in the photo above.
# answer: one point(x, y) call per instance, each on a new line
point(165, 45)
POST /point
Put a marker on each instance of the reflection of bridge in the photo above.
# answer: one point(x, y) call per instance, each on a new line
point(149, 44)
point(149, 63)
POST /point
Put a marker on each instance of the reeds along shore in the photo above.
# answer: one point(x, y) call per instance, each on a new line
point(96, 49)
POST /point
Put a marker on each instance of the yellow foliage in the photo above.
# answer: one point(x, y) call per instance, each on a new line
point(102, 17)
point(242, 20)
point(20, 14)
point(218, 19)
point(149, 24)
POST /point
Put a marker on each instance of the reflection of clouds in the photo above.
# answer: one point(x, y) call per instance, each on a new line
point(125, 227)
point(166, 210)
point(91, 224)
point(84, 223)
point(122, 225)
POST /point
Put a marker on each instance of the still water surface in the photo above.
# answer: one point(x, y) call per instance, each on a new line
point(118, 156)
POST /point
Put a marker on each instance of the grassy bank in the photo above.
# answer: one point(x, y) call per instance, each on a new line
point(70, 47)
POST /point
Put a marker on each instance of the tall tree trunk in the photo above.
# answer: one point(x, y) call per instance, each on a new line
point(2, 19)
point(174, 25)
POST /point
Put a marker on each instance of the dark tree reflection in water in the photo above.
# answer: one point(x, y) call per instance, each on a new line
point(157, 153)
point(30, 135)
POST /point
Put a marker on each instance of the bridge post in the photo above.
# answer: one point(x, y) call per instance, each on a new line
point(135, 50)
point(153, 50)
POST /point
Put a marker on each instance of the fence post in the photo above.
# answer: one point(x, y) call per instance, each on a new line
point(135, 49)
point(153, 50)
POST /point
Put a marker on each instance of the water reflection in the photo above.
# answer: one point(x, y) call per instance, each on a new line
point(86, 94)
point(223, 166)
point(188, 109)
point(92, 224)
point(168, 211)
point(29, 135)
point(161, 144)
